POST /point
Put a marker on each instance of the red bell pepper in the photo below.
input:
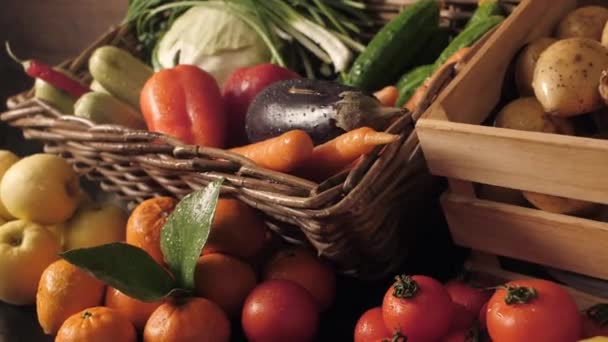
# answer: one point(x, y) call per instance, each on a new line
point(185, 102)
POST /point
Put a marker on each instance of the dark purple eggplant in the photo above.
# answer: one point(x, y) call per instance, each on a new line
point(322, 109)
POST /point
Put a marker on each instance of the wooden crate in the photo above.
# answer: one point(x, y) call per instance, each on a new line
point(458, 147)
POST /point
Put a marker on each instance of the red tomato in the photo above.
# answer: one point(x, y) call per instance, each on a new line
point(533, 310)
point(185, 102)
point(469, 297)
point(280, 310)
point(241, 88)
point(370, 326)
point(462, 318)
point(465, 335)
point(307, 270)
point(595, 321)
point(419, 307)
point(482, 317)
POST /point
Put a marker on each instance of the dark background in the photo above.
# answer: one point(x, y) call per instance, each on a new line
point(53, 30)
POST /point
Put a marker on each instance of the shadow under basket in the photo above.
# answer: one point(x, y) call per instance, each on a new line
point(357, 219)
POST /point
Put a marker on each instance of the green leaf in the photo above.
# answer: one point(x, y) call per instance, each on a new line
point(186, 230)
point(125, 267)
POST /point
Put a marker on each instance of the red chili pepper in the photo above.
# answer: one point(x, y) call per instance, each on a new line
point(185, 102)
point(38, 69)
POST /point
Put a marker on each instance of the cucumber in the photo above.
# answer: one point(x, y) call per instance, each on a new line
point(54, 96)
point(121, 74)
point(393, 49)
point(103, 108)
point(408, 84)
point(433, 47)
point(485, 9)
point(468, 37)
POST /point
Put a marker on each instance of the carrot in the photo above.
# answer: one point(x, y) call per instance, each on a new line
point(283, 153)
point(387, 96)
point(336, 155)
point(415, 100)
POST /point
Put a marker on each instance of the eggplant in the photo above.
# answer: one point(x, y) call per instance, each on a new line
point(323, 109)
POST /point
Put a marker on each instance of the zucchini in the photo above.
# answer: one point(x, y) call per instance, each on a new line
point(468, 37)
point(485, 9)
point(96, 86)
point(54, 96)
point(393, 49)
point(121, 74)
point(408, 84)
point(103, 108)
point(433, 47)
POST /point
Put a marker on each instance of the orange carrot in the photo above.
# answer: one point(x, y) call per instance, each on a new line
point(415, 100)
point(283, 153)
point(387, 96)
point(336, 155)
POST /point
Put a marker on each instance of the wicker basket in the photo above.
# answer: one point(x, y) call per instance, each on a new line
point(352, 219)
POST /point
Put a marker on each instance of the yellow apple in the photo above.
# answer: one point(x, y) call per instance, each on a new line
point(26, 249)
point(95, 225)
point(41, 188)
point(7, 159)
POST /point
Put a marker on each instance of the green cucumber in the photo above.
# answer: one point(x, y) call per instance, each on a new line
point(485, 9)
point(121, 74)
point(394, 48)
point(103, 108)
point(468, 37)
point(408, 84)
point(433, 47)
point(54, 96)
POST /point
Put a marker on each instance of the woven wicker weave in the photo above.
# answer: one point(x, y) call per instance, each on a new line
point(353, 219)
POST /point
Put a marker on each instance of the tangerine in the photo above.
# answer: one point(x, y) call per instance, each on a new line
point(97, 324)
point(135, 310)
point(64, 290)
point(225, 280)
point(146, 222)
point(188, 320)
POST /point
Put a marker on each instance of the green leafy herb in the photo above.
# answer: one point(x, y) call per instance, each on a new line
point(186, 231)
point(127, 268)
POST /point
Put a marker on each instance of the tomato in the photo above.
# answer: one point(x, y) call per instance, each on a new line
point(419, 307)
point(185, 103)
point(482, 317)
point(307, 270)
point(397, 337)
point(370, 326)
point(462, 318)
point(469, 297)
point(533, 310)
point(280, 310)
point(241, 87)
point(595, 321)
point(466, 335)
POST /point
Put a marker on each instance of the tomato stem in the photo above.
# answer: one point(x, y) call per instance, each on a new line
point(598, 314)
point(405, 287)
point(397, 337)
point(520, 295)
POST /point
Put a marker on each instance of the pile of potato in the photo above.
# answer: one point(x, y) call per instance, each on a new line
point(559, 78)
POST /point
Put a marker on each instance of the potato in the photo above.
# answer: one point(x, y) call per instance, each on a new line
point(560, 205)
point(527, 114)
point(567, 76)
point(584, 22)
point(525, 63)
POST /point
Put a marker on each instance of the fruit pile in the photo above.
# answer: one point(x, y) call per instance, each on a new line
point(419, 308)
point(43, 211)
point(174, 271)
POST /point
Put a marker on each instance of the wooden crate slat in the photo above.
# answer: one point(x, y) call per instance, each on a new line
point(565, 242)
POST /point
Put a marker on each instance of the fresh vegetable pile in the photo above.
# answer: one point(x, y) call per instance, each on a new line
point(561, 88)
